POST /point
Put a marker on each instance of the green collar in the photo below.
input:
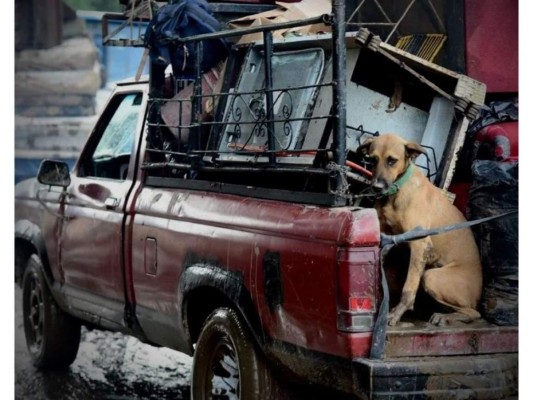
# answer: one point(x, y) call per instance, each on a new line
point(395, 187)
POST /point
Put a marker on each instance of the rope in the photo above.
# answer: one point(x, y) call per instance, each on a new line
point(379, 335)
point(419, 233)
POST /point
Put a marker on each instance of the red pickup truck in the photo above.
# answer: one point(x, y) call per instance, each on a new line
point(242, 237)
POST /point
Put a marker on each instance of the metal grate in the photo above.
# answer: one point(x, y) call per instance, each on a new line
point(356, 19)
point(424, 45)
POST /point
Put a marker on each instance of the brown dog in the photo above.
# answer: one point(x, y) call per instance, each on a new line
point(448, 265)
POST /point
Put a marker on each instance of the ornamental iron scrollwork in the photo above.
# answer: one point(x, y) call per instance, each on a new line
point(248, 122)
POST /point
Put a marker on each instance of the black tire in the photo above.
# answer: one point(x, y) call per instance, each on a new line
point(52, 336)
point(227, 365)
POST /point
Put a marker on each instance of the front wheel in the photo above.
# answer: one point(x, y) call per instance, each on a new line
point(52, 336)
point(226, 364)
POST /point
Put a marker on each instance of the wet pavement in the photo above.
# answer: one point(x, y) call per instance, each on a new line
point(112, 366)
point(108, 366)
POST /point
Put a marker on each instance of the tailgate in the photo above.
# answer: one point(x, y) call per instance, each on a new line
point(477, 360)
point(423, 339)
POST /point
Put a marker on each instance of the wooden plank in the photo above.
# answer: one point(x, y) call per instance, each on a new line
point(413, 60)
point(470, 89)
point(466, 87)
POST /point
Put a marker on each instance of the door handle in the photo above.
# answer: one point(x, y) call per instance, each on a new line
point(111, 203)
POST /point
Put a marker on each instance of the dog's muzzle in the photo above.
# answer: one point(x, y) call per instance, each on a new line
point(379, 186)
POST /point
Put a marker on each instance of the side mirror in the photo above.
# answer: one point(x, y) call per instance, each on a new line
point(54, 173)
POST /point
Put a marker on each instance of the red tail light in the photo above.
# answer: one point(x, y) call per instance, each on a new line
point(361, 304)
point(357, 273)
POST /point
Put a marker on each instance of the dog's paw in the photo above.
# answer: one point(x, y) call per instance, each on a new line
point(439, 319)
point(394, 316)
point(392, 320)
point(454, 318)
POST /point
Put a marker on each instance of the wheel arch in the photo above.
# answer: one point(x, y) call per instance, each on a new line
point(29, 240)
point(204, 288)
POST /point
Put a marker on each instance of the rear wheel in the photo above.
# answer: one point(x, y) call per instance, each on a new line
point(52, 336)
point(227, 365)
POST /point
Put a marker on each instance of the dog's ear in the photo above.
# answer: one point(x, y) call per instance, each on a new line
point(413, 150)
point(363, 149)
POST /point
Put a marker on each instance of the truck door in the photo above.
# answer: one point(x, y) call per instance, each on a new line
point(91, 244)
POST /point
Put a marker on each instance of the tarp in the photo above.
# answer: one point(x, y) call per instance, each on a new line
point(494, 191)
point(184, 19)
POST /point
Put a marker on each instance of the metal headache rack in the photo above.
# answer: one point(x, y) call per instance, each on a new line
point(254, 124)
point(271, 120)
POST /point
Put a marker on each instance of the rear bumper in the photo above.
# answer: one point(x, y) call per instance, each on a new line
point(492, 376)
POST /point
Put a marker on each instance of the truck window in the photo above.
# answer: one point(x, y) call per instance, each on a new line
point(111, 155)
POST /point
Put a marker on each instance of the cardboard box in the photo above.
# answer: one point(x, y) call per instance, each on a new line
point(284, 13)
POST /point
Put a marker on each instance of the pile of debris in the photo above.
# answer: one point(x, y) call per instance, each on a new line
point(56, 82)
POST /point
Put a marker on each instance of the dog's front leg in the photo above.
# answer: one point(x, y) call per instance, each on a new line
point(417, 264)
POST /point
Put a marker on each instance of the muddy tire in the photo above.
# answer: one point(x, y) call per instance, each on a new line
point(52, 336)
point(227, 365)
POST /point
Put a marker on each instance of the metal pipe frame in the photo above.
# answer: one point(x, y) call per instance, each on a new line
point(268, 45)
point(320, 19)
point(339, 92)
point(273, 170)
